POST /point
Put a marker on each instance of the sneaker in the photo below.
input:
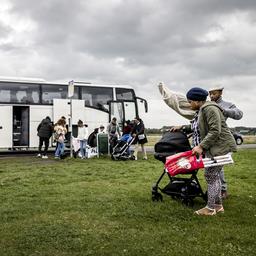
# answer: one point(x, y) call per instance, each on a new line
point(39, 155)
point(219, 208)
point(56, 157)
point(206, 211)
point(145, 158)
point(44, 157)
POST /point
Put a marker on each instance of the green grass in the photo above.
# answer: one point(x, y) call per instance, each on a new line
point(102, 207)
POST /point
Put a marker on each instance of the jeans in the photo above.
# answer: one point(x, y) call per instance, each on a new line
point(83, 144)
point(60, 149)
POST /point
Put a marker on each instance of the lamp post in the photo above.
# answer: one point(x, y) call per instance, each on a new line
point(70, 95)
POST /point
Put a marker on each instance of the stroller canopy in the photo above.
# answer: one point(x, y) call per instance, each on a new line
point(172, 143)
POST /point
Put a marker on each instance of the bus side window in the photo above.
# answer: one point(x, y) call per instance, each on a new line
point(14, 97)
point(5, 95)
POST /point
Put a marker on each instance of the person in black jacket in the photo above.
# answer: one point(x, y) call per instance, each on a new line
point(44, 131)
point(139, 137)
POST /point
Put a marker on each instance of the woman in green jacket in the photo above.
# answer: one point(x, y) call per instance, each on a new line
point(212, 137)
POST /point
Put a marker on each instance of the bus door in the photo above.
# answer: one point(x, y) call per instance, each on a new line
point(20, 126)
point(116, 109)
point(6, 126)
point(123, 111)
point(142, 105)
point(129, 110)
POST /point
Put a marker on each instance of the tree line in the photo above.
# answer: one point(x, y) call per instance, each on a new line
point(240, 129)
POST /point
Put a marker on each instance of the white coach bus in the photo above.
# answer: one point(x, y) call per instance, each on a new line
point(25, 102)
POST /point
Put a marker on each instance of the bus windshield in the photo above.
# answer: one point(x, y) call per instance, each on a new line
point(124, 94)
point(97, 97)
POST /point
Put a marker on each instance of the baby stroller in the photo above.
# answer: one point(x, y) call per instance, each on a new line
point(185, 189)
point(121, 150)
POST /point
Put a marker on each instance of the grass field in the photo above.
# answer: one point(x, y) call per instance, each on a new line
point(102, 207)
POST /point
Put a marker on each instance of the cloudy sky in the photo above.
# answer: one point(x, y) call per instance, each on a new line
point(136, 42)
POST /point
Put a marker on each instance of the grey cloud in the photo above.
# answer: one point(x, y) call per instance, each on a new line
point(4, 31)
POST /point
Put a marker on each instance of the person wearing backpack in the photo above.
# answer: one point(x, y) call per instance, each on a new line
point(44, 132)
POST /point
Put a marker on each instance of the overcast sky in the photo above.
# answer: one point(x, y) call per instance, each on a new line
point(136, 42)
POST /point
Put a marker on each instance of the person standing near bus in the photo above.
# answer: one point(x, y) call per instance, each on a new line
point(82, 137)
point(229, 110)
point(102, 129)
point(113, 132)
point(60, 132)
point(140, 138)
point(44, 131)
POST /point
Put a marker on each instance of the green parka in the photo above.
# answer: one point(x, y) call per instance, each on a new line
point(216, 138)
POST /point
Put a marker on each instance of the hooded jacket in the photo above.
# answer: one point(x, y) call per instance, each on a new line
point(216, 138)
point(45, 128)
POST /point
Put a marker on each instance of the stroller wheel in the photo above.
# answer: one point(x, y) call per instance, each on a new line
point(157, 197)
point(187, 202)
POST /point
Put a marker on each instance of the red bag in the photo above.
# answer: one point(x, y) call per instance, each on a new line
point(183, 162)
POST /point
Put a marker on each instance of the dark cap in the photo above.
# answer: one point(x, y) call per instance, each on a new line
point(197, 94)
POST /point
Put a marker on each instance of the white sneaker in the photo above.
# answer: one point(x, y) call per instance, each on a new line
point(39, 155)
point(45, 157)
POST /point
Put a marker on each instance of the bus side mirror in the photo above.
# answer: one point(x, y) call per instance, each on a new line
point(146, 106)
point(145, 103)
point(1, 127)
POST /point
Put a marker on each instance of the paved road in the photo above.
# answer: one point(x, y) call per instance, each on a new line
point(247, 146)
